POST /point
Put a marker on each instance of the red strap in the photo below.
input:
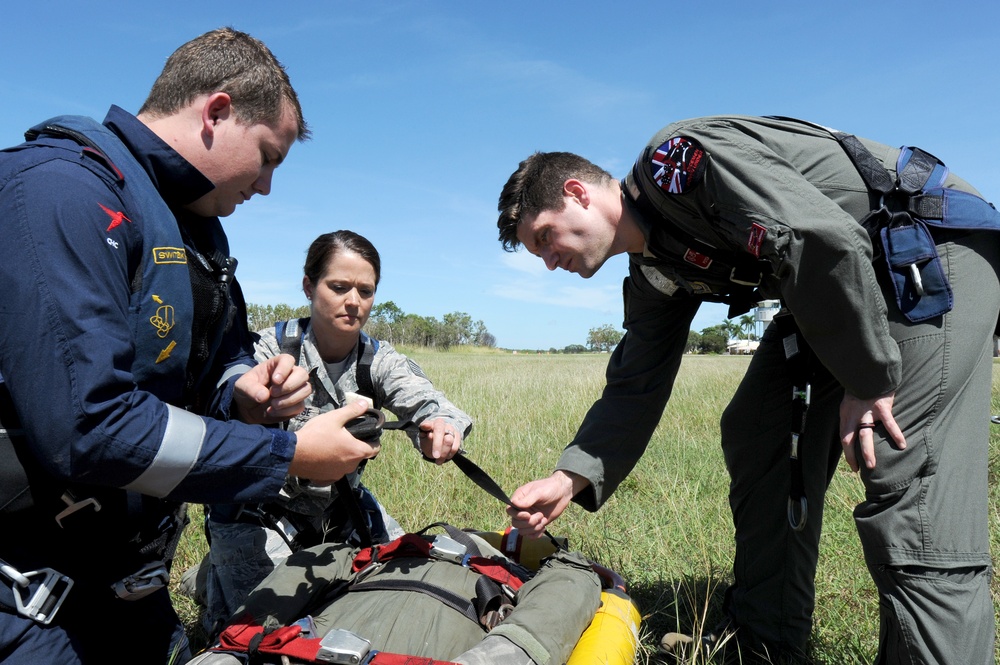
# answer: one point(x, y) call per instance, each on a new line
point(412, 545)
point(285, 641)
point(288, 641)
point(495, 571)
point(409, 544)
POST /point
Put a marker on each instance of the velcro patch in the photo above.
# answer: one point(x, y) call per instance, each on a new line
point(677, 165)
point(697, 259)
point(757, 233)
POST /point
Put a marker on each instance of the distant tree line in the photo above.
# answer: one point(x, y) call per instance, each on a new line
point(388, 322)
point(714, 339)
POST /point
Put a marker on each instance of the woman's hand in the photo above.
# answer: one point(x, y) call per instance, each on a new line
point(440, 440)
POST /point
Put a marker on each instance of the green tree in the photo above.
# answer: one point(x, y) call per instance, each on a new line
point(604, 338)
point(384, 321)
point(730, 329)
point(265, 316)
point(693, 343)
point(417, 330)
point(575, 348)
point(714, 339)
point(748, 324)
point(483, 337)
point(456, 329)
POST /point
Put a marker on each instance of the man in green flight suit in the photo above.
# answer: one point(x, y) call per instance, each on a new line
point(885, 333)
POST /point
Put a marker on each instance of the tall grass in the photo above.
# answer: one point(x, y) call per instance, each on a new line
point(667, 530)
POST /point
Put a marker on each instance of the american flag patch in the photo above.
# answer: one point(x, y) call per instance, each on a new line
point(677, 165)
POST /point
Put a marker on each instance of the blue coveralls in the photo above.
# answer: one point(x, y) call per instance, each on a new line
point(109, 412)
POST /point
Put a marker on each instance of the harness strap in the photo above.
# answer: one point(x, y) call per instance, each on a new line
point(288, 642)
point(15, 490)
point(452, 600)
point(799, 358)
point(411, 545)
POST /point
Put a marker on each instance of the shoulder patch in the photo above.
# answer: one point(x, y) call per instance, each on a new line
point(677, 165)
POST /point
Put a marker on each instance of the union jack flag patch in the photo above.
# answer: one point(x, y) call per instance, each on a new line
point(677, 165)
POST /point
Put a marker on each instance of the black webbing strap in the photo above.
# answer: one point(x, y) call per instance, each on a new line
point(363, 375)
point(15, 492)
point(900, 198)
point(471, 470)
point(798, 356)
point(358, 519)
point(452, 600)
point(870, 168)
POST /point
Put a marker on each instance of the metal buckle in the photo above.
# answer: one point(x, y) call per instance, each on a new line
point(151, 577)
point(735, 280)
point(45, 601)
point(72, 505)
point(918, 284)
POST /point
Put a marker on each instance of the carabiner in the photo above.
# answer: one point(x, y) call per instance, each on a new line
point(799, 523)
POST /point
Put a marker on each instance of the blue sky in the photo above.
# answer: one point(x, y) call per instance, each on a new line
point(421, 110)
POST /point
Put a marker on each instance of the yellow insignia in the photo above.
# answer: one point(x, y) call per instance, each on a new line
point(163, 320)
point(163, 255)
point(165, 353)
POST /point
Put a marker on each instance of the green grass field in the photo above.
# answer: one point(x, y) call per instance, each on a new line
point(667, 530)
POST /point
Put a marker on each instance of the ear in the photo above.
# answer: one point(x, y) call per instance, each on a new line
point(217, 108)
point(307, 287)
point(577, 189)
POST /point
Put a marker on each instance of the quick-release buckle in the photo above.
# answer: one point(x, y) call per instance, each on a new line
point(72, 506)
point(343, 646)
point(803, 394)
point(743, 282)
point(151, 577)
point(41, 604)
point(448, 549)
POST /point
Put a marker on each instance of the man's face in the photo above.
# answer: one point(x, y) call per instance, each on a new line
point(577, 238)
point(241, 160)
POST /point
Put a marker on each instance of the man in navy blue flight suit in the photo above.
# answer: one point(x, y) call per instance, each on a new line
point(127, 380)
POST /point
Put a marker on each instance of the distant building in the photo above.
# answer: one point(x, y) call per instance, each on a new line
point(765, 311)
point(742, 347)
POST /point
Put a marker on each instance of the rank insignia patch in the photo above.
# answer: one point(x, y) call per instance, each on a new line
point(677, 165)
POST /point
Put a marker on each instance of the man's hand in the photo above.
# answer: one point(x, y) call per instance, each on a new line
point(326, 451)
point(271, 392)
point(857, 422)
point(538, 503)
point(440, 440)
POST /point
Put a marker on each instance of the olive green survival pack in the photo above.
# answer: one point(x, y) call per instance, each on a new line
point(422, 596)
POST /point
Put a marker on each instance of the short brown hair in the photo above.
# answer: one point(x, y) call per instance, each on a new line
point(229, 61)
point(326, 246)
point(537, 186)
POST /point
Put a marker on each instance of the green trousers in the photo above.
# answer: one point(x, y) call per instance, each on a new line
point(924, 522)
